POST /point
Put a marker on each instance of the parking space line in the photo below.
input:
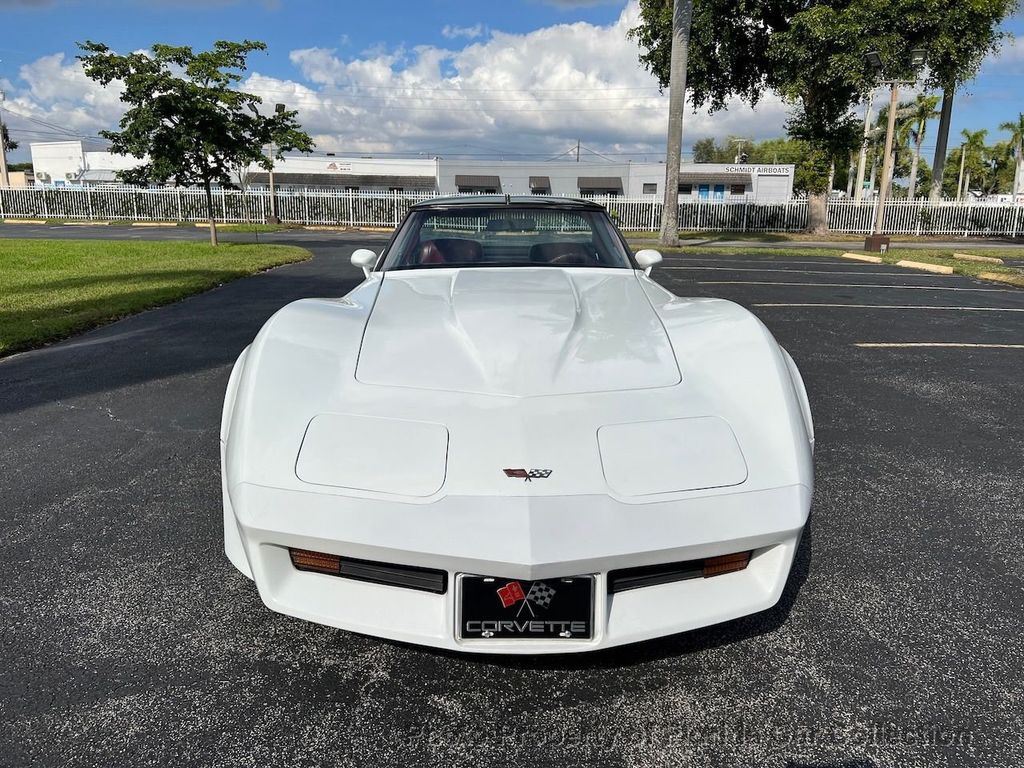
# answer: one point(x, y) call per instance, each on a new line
point(808, 262)
point(901, 273)
point(889, 306)
point(857, 285)
point(911, 344)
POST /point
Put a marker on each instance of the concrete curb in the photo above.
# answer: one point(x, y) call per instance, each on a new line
point(972, 257)
point(926, 267)
point(862, 257)
point(24, 221)
point(1000, 277)
point(153, 224)
point(86, 223)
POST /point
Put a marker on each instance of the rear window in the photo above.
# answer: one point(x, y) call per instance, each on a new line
point(504, 236)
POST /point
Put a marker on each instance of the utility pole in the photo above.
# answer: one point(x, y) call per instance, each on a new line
point(739, 150)
point(682, 16)
point(862, 161)
point(5, 180)
point(577, 150)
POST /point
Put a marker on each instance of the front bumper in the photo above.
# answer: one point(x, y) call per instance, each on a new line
point(527, 537)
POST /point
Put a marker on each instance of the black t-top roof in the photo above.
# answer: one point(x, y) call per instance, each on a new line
point(523, 201)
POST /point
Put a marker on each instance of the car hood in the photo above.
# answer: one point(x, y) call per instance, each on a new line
point(515, 331)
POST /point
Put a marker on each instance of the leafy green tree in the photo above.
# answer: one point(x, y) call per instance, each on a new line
point(812, 54)
point(9, 145)
point(974, 149)
point(708, 151)
point(1016, 131)
point(924, 109)
point(704, 151)
point(959, 34)
point(185, 118)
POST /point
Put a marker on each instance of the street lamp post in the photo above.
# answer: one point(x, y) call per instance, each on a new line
point(273, 217)
point(875, 241)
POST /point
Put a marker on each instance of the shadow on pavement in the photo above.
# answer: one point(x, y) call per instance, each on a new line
point(197, 333)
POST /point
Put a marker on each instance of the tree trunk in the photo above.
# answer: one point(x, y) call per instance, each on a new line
point(1018, 174)
point(817, 213)
point(912, 189)
point(941, 140)
point(209, 213)
point(682, 15)
point(967, 184)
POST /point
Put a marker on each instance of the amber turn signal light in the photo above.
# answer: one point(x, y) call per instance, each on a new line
point(715, 566)
point(321, 562)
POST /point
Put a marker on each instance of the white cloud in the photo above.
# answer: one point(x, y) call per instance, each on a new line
point(1009, 57)
point(534, 93)
point(470, 33)
point(52, 90)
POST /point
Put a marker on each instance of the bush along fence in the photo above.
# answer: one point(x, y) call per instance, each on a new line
point(386, 209)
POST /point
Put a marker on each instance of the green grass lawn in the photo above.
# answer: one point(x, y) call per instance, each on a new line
point(50, 289)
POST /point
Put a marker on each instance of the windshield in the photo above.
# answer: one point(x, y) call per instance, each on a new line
point(504, 236)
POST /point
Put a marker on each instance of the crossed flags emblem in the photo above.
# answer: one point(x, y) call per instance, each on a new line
point(540, 594)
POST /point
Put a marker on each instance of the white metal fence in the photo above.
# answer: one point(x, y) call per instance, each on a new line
point(386, 209)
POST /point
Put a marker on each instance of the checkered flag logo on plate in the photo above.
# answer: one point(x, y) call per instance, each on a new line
point(540, 594)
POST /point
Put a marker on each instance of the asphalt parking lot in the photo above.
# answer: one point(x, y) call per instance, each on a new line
point(128, 639)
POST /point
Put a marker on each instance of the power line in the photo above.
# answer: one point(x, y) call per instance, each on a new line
point(419, 89)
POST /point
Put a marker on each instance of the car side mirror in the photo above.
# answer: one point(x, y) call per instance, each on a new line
point(364, 258)
point(647, 258)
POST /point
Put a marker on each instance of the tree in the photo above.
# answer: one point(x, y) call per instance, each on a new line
point(811, 54)
point(1016, 131)
point(924, 110)
point(709, 151)
point(186, 120)
point(9, 145)
point(960, 34)
point(974, 149)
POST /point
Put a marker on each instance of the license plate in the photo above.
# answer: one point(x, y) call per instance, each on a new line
point(496, 608)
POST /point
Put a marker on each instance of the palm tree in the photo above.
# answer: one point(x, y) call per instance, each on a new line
point(924, 109)
point(973, 148)
point(1016, 130)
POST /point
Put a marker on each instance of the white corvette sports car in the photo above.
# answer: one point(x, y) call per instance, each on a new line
point(509, 439)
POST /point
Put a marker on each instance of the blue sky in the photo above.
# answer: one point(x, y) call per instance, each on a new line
point(524, 77)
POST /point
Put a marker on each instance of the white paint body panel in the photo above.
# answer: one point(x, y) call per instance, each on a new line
point(674, 455)
point(600, 375)
point(515, 331)
point(370, 453)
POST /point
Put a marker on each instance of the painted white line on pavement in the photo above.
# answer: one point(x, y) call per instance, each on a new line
point(893, 306)
point(902, 274)
point(903, 344)
point(858, 285)
point(810, 261)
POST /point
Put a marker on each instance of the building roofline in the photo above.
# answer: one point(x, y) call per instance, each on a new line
point(525, 201)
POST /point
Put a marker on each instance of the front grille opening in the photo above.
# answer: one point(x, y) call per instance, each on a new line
point(390, 574)
point(626, 579)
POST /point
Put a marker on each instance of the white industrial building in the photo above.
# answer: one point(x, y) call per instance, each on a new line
point(712, 181)
point(74, 163)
